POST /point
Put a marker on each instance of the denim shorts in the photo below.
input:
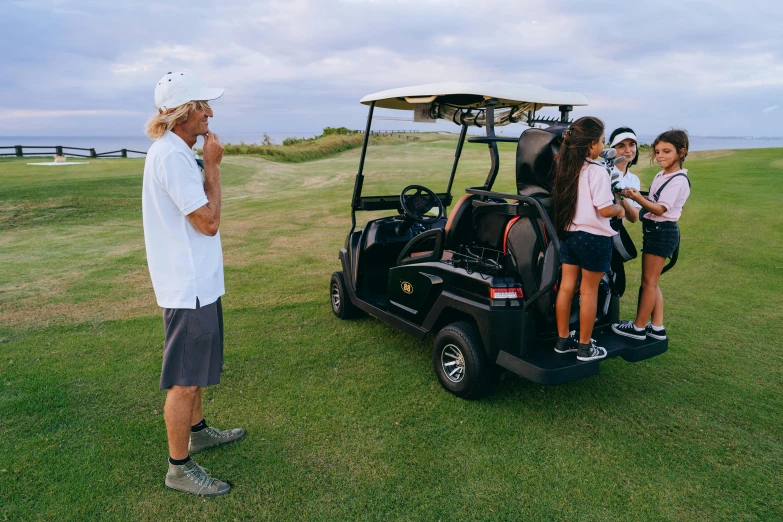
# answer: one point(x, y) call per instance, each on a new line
point(660, 238)
point(589, 251)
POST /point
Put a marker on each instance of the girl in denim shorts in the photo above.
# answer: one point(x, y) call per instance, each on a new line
point(661, 234)
point(583, 205)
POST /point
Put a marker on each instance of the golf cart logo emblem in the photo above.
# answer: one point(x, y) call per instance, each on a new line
point(407, 287)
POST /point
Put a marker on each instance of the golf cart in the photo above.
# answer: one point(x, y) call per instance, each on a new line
point(483, 279)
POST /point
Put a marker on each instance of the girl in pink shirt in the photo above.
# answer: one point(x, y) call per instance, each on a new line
point(583, 205)
point(661, 234)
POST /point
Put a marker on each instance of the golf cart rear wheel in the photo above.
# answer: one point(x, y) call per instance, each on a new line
point(460, 362)
point(338, 295)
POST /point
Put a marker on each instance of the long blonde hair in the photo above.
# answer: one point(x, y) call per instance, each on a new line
point(164, 121)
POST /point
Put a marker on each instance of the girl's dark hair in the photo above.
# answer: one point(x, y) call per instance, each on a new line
point(620, 130)
point(577, 140)
point(678, 138)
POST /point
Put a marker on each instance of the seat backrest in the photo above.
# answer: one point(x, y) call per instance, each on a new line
point(536, 153)
point(489, 227)
point(460, 222)
point(533, 255)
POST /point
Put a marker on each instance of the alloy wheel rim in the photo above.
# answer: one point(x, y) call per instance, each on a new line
point(453, 363)
point(335, 297)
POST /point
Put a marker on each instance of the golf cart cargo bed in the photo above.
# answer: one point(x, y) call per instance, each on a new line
point(553, 368)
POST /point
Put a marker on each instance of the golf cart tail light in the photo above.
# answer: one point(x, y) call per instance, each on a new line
point(505, 293)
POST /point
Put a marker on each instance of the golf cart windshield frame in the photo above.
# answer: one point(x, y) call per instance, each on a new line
point(392, 202)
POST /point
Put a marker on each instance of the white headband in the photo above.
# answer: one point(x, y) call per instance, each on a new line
point(623, 136)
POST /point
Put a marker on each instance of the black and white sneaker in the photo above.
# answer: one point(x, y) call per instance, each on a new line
point(656, 332)
point(567, 344)
point(590, 352)
point(628, 329)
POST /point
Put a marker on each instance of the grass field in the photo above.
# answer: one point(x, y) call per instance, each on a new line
point(346, 420)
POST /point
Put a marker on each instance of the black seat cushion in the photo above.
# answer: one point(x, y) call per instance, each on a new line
point(536, 153)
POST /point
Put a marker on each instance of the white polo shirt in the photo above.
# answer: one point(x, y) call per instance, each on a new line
point(628, 180)
point(184, 263)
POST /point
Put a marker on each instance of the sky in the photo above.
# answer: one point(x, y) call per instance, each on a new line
point(89, 68)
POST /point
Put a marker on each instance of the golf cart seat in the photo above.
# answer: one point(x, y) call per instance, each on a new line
point(525, 238)
point(459, 224)
point(536, 152)
point(440, 243)
point(534, 256)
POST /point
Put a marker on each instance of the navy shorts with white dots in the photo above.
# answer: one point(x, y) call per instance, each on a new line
point(589, 251)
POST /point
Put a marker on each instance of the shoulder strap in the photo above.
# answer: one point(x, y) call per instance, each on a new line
point(658, 192)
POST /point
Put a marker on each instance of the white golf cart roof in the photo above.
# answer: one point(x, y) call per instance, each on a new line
point(473, 95)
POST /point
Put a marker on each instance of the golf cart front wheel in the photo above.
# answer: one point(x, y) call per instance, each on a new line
point(341, 302)
point(460, 362)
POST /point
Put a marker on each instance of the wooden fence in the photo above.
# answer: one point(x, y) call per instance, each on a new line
point(391, 132)
point(59, 150)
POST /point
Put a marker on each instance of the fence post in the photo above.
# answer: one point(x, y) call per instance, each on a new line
point(18, 150)
point(58, 150)
point(92, 153)
point(124, 153)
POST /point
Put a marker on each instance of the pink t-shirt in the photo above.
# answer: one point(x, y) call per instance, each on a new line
point(673, 196)
point(595, 193)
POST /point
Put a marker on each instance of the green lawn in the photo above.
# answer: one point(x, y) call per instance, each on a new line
point(346, 420)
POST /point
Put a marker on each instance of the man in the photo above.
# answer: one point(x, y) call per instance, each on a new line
point(181, 212)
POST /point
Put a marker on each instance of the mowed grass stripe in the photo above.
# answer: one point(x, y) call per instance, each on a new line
point(346, 419)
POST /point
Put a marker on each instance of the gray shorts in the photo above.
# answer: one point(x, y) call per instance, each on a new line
point(193, 349)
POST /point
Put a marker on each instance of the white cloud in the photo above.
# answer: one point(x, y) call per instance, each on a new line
point(321, 57)
point(771, 108)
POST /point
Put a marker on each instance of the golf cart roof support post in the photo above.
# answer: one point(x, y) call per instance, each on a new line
point(564, 110)
point(493, 146)
point(457, 154)
point(357, 187)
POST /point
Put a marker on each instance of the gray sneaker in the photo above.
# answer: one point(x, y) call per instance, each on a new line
point(209, 437)
point(567, 344)
point(590, 351)
point(192, 478)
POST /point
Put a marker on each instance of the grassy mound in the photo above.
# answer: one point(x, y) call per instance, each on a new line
point(297, 150)
point(306, 150)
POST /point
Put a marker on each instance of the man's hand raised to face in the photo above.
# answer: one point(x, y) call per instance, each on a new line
point(206, 219)
point(213, 149)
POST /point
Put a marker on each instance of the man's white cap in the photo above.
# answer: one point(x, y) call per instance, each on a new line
point(623, 136)
point(178, 88)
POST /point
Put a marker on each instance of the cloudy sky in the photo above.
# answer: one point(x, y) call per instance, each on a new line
point(87, 67)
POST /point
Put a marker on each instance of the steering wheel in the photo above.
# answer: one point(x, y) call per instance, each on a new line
point(421, 201)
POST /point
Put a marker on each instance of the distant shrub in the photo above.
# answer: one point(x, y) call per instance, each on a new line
point(296, 150)
point(292, 141)
point(329, 131)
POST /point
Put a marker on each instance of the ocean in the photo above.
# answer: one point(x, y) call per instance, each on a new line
point(142, 143)
point(112, 143)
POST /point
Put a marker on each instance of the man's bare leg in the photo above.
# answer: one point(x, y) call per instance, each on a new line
point(178, 413)
point(197, 415)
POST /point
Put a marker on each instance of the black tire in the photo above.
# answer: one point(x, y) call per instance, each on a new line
point(458, 347)
point(338, 296)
